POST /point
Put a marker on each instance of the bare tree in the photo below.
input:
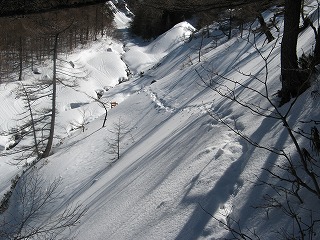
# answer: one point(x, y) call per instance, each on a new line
point(58, 30)
point(32, 133)
point(102, 103)
point(35, 210)
point(118, 132)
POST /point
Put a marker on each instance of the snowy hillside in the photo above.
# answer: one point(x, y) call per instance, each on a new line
point(179, 167)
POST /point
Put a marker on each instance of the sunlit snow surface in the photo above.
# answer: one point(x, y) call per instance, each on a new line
point(177, 160)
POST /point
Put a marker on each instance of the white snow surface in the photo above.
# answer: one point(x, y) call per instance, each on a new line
point(177, 160)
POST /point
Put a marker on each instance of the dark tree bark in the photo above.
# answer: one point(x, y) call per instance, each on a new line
point(316, 53)
point(292, 81)
point(317, 47)
point(20, 58)
point(264, 28)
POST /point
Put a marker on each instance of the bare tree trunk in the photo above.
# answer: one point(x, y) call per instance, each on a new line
point(317, 47)
point(200, 47)
point(230, 25)
point(118, 144)
point(54, 96)
point(292, 83)
point(96, 25)
point(316, 52)
point(35, 140)
point(264, 28)
point(105, 116)
point(20, 58)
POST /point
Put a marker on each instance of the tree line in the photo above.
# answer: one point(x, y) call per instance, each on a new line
point(11, 8)
point(152, 18)
point(27, 40)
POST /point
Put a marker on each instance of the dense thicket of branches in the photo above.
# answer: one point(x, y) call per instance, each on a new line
point(27, 40)
point(34, 210)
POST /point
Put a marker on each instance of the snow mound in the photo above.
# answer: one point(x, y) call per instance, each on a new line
point(171, 39)
point(141, 58)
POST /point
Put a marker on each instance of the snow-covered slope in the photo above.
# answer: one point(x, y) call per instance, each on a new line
point(178, 165)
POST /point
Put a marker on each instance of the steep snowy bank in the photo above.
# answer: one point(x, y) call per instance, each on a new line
point(178, 166)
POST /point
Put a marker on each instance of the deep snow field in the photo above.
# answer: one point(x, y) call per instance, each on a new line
point(177, 162)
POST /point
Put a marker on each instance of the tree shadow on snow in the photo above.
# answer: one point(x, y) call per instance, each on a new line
point(195, 227)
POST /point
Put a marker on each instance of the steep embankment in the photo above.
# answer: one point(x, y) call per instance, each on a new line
point(178, 165)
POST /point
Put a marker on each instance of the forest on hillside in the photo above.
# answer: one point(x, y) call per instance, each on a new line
point(152, 18)
point(27, 40)
point(23, 7)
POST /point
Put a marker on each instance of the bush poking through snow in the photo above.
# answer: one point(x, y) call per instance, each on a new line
point(122, 80)
point(99, 93)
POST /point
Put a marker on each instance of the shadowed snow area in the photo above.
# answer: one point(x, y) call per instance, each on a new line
point(178, 165)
